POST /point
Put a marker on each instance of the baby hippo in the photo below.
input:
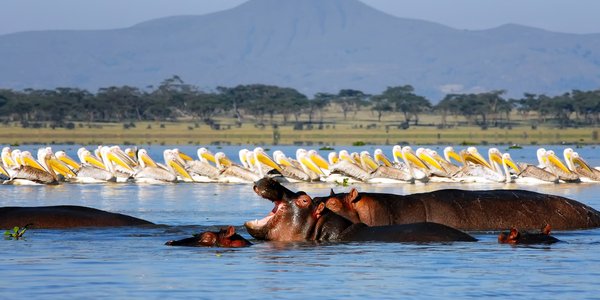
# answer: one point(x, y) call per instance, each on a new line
point(515, 237)
point(225, 238)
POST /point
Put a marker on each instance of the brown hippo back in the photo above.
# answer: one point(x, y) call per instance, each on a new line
point(64, 216)
point(472, 210)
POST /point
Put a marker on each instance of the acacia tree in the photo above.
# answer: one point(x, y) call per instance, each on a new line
point(318, 104)
point(350, 100)
point(407, 102)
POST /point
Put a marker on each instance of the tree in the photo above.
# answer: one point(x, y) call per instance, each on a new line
point(407, 102)
point(318, 104)
point(350, 100)
point(381, 105)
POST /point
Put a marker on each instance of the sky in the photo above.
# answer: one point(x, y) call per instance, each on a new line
point(572, 16)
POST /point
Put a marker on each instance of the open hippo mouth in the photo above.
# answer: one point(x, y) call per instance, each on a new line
point(260, 228)
point(273, 191)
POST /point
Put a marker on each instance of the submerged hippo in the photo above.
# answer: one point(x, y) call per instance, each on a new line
point(225, 238)
point(296, 218)
point(64, 216)
point(465, 210)
point(527, 238)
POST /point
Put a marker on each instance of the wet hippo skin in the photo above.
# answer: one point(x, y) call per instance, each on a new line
point(465, 210)
point(64, 216)
point(296, 217)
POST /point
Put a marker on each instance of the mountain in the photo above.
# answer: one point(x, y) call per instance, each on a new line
point(311, 45)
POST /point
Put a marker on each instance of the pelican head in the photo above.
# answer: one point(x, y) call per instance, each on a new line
point(243, 155)
point(473, 156)
point(450, 154)
point(381, 158)
point(554, 160)
point(318, 159)
point(507, 160)
point(145, 159)
point(567, 154)
point(261, 157)
point(425, 156)
point(332, 157)
point(409, 155)
point(173, 160)
point(367, 161)
point(205, 155)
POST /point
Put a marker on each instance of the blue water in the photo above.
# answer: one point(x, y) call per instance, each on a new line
point(134, 263)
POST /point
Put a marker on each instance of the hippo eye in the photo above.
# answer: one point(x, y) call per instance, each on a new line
point(303, 201)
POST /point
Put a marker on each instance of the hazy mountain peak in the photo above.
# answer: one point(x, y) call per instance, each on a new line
point(311, 45)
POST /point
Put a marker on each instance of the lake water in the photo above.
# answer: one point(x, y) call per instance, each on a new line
point(134, 263)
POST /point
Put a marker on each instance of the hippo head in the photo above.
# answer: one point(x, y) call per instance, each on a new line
point(342, 204)
point(292, 218)
point(226, 238)
point(515, 237)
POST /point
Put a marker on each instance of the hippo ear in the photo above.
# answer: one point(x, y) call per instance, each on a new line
point(353, 196)
point(319, 210)
point(331, 193)
point(230, 231)
point(546, 229)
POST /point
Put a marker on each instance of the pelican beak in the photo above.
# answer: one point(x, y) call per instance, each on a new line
point(496, 157)
point(27, 160)
point(369, 161)
point(382, 158)
point(184, 156)
point(414, 159)
point(225, 162)
point(117, 160)
point(397, 154)
point(552, 158)
point(509, 162)
point(3, 171)
point(430, 160)
point(180, 169)
point(310, 165)
point(8, 161)
point(60, 167)
point(208, 156)
point(319, 161)
point(335, 159)
point(265, 159)
point(578, 160)
point(94, 161)
point(69, 161)
point(148, 161)
point(455, 156)
point(476, 158)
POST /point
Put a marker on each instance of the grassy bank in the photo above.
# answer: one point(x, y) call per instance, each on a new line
point(341, 133)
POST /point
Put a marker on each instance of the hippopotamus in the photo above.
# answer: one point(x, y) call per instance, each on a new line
point(527, 238)
point(225, 238)
point(64, 216)
point(296, 217)
point(464, 210)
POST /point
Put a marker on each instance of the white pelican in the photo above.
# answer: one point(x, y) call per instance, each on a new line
point(578, 165)
point(31, 172)
point(233, 173)
point(556, 167)
point(440, 169)
point(381, 158)
point(415, 167)
point(477, 169)
point(292, 170)
point(201, 170)
point(150, 172)
point(526, 174)
point(91, 170)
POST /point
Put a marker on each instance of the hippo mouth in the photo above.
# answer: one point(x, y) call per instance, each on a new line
point(260, 227)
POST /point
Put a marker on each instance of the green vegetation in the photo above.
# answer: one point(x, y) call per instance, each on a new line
point(176, 112)
point(16, 233)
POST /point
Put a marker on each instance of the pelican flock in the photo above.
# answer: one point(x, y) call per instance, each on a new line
point(111, 164)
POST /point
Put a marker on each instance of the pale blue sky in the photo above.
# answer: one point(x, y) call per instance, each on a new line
point(575, 16)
